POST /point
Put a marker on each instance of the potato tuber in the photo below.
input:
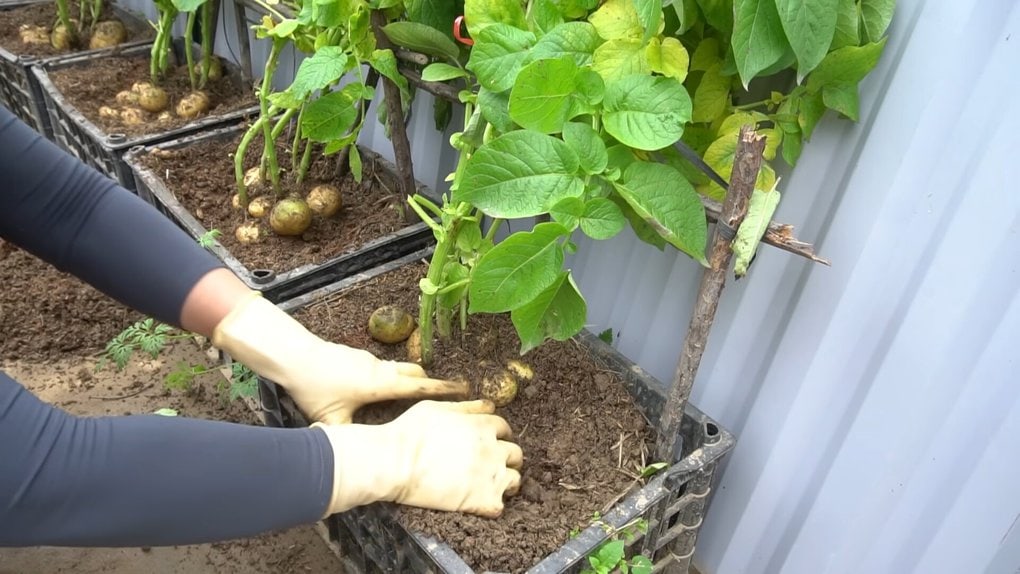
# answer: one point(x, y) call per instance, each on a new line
point(152, 98)
point(127, 98)
point(107, 34)
point(61, 38)
point(260, 206)
point(414, 346)
point(33, 35)
point(132, 116)
point(247, 232)
point(390, 324)
point(290, 216)
point(499, 387)
point(193, 105)
point(325, 200)
point(108, 113)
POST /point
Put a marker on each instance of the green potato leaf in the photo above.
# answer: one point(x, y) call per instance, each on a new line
point(557, 313)
point(666, 201)
point(646, 112)
point(517, 269)
point(520, 174)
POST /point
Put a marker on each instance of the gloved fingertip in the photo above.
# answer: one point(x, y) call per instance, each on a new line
point(409, 369)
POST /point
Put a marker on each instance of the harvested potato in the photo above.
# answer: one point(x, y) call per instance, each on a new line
point(499, 387)
point(215, 69)
point(137, 87)
point(153, 98)
point(260, 206)
point(108, 112)
point(248, 232)
point(390, 324)
point(235, 201)
point(33, 35)
point(107, 34)
point(414, 346)
point(325, 200)
point(253, 178)
point(193, 105)
point(165, 117)
point(61, 38)
point(520, 370)
point(132, 116)
point(290, 216)
point(127, 98)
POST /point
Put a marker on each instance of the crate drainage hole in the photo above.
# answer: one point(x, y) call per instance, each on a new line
point(116, 138)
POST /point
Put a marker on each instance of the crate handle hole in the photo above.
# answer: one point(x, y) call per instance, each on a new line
point(116, 138)
point(263, 276)
point(711, 429)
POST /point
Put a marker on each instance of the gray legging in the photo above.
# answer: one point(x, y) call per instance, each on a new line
point(133, 480)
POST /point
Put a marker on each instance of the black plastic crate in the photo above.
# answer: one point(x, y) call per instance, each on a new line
point(673, 503)
point(105, 151)
point(19, 89)
point(280, 285)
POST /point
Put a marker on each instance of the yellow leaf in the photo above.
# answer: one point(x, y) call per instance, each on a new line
point(668, 57)
point(617, 19)
point(618, 58)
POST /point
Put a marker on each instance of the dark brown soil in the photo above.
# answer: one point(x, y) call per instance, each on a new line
point(92, 85)
point(201, 176)
point(582, 436)
point(45, 14)
point(46, 314)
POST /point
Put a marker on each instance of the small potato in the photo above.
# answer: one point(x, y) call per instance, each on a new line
point(137, 87)
point(290, 217)
point(253, 178)
point(132, 116)
point(390, 324)
point(127, 98)
point(248, 232)
point(325, 200)
point(520, 370)
point(107, 34)
point(165, 117)
point(500, 388)
point(414, 346)
point(215, 69)
point(33, 35)
point(260, 206)
point(235, 201)
point(108, 112)
point(61, 38)
point(153, 99)
point(193, 105)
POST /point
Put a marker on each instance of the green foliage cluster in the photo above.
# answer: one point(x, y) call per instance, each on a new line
point(573, 111)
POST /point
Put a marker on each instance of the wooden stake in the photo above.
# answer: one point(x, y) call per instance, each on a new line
point(395, 116)
point(746, 163)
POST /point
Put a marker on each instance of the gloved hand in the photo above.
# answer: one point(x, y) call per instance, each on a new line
point(452, 456)
point(327, 381)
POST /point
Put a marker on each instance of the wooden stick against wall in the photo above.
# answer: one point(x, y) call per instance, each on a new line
point(395, 116)
point(746, 163)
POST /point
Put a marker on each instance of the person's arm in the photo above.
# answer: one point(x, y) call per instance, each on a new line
point(70, 215)
point(150, 480)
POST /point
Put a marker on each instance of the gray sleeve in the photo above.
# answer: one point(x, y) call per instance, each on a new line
point(150, 480)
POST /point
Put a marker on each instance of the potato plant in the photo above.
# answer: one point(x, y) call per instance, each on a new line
point(576, 112)
point(85, 31)
point(339, 42)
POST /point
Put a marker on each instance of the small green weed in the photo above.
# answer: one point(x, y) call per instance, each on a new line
point(611, 555)
point(209, 238)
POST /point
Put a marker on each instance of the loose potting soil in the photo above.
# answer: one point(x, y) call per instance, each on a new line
point(201, 176)
point(583, 439)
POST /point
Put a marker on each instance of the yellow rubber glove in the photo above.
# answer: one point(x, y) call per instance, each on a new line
point(329, 382)
point(452, 456)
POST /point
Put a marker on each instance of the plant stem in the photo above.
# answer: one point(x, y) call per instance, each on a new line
point(97, 11)
point(297, 142)
point(189, 30)
point(64, 15)
point(208, 15)
point(242, 149)
point(269, 153)
point(493, 228)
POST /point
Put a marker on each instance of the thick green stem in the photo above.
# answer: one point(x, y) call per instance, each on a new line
point(306, 161)
point(242, 149)
point(297, 143)
point(428, 301)
point(64, 15)
point(81, 15)
point(270, 146)
point(493, 228)
point(189, 30)
point(208, 15)
point(97, 11)
point(163, 44)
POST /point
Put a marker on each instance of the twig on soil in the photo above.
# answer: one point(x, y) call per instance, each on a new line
point(127, 396)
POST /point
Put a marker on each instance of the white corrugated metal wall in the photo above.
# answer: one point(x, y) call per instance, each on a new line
point(876, 401)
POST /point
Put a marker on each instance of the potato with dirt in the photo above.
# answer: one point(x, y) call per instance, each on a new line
point(248, 232)
point(127, 98)
point(499, 387)
point(132, 116)
point(390, 324)
point(193, 105)
point(260, 206)
point(325, 200)
point(290, 216)
point(107, 34)
point(33, 35)
point(152, 98)
point(215, 69)
point(61, 38)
